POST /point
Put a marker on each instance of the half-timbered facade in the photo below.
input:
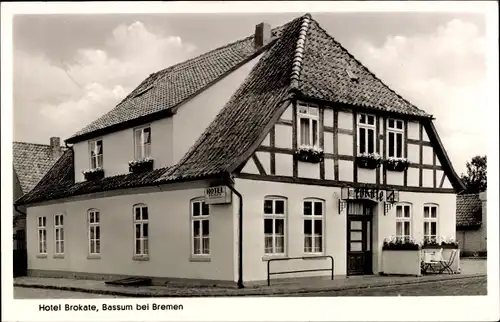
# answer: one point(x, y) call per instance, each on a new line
point(284, 148)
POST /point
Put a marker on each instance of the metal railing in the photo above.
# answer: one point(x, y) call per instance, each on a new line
point(298, 271)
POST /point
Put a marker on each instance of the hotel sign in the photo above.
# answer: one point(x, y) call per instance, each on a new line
point(217, 195)
point(373, 194)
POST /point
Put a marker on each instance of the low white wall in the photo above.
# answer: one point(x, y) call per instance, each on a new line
point(401, 262)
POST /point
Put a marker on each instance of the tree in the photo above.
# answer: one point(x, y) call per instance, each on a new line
point(475, 179)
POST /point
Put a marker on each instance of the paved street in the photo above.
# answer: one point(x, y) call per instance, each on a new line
point(469, 286)
point(40, 293)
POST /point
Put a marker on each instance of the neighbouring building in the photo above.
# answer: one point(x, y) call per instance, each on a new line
point(471, 224)
point(31, 162)
point(265, 148)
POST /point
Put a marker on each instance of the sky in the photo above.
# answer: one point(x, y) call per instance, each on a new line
point(71, 69)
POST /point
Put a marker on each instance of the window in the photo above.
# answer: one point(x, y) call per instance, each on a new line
point(94, 232)
point(403, 222)
point(430, 222)
point(96, 154)
point(394, 138)
point(366, 133)
point(42, 235)
point(141, 228)
point(59, 233)
point(274, 225)
point(313, 226)
point(142, 138)
point(200, 212)
point(308, 125)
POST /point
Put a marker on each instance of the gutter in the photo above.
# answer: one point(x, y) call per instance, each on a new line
point(229, 182)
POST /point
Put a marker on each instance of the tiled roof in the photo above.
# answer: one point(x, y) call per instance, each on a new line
point(172, 86)
point(326, 73)
point(60, 182)
point(31, 162)
point(297, 61)
point(469, 210)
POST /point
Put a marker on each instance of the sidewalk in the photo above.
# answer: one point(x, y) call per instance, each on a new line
point(304, 286)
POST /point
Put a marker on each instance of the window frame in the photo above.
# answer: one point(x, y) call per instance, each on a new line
point(395, 131)
point(141, 221)
point(431, 220)
point(404, 220)
point(201, 237)
point(142, 144)
point(42, 228)
point(59, 228)
point(365, 126)
point(274, 216)
point(313, 218)
point(96, 154)
point(94, 224)
point(311, 118)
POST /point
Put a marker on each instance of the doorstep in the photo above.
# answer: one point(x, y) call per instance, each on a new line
point(99, 287)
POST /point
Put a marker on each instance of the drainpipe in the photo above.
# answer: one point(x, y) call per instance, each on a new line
point(229, 183)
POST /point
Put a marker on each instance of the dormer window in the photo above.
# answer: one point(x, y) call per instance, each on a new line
point(142, 138)
point(308, 129)
point(96, 154)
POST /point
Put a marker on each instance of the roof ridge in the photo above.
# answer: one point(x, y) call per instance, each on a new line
point(299, 52)
point(40, 144)
point(366, 68)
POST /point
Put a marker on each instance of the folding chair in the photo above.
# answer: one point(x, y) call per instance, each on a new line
point(446, 264)
point(428, 263)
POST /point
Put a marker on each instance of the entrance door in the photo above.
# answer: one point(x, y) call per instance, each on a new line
point(359, 241)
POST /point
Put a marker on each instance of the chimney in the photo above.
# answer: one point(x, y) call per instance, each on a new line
point(262, 34)
point(55, 147)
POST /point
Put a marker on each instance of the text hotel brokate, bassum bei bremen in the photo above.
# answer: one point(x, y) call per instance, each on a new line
point(284, 130)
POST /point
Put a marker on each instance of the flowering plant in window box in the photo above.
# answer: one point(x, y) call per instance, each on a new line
point(449, 242)
point(93, 174)
point(368, 160)
point(141, 165)
point(396, 164)
point(309, 153)
point(400, 243)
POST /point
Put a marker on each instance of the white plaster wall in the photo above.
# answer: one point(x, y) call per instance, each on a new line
point(169, 236)
point(283, 136)
point(402, 262)
point(427, 154)
point(328, 144)
point(345, 170)
point(284, 164)
point(265, 160)
point(345, 144)
point(414, 153)
point(328, 117)
point(413, 130)
point(428, 178)
point(288, 113)
point(118, 149)
point(412, 179)
point(308, 170)
point(367, 175)
point(329, 169)
point(345, 120)
point(255, 265)
point(395, 178)
point(194, 116)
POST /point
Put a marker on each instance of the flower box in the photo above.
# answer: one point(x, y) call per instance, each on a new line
point(309, 154)
point(368, 160)
point(140, 166)
point(401, 257)
point(93, 174)
point(396, 164)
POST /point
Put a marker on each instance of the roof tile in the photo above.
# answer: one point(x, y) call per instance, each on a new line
point(469, 210)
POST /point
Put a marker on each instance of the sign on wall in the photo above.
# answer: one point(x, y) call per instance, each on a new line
point(217, 195)
point(374, 194)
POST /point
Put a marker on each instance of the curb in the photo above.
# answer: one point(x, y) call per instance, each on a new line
point(262, 292)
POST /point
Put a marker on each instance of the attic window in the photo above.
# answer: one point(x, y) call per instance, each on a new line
point(352, 75)
point(142, 91)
